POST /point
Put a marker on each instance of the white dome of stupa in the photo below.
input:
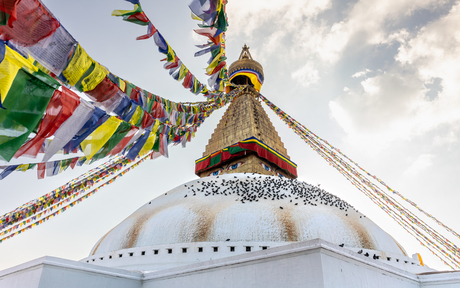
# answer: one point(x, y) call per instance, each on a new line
point(219, 216)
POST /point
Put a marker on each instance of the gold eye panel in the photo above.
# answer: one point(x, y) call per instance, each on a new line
point(217, 172)
point(265, 166)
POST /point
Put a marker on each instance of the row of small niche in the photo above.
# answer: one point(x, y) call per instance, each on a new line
point(184, 250)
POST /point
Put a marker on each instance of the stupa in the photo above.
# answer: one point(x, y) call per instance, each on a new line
point(245, 222)
point(246, 199)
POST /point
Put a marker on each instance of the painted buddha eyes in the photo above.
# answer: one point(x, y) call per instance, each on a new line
point(234, 166)
point(216, 173)
point(265, 166)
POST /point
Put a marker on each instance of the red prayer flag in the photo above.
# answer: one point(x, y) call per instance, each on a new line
point(9, 7)
point(187, 80)
point(33, 23)
point(103, 91)
point(41, 167)
point(73, 162)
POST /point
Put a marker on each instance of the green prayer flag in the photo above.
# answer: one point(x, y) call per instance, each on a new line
point(4, 18)
point(156, 146)
point(25, 104)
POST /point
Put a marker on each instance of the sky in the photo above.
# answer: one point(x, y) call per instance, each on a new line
point(378, 79)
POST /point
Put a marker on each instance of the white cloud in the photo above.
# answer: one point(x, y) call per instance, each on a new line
point(371, 86)
point(247, 16)
point(435, 52)
point(306, 75)
point(393, 105)
point(361, 73)
point(421, 163)
point(448, 139)
point(385, 108)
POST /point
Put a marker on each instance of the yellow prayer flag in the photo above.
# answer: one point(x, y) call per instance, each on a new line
point(148, 144)
point(123, 12)
point(214, 63)
point(122, 85)
point(194, 17)
point(155, 126)
point(22, 167)
point(78, 65)
point(9, 67)
point(136, 116)
point(99, 137)
point(96, 77)
point(182, 72)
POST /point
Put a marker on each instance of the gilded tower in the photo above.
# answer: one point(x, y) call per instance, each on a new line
point(245, 140)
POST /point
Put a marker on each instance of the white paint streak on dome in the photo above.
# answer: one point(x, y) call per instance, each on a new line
point(274, 210)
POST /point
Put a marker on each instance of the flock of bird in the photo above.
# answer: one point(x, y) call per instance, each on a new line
point(252, 188)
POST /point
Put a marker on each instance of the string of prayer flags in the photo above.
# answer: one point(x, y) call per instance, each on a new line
point(40, 218)
point(212, 13)
point(48, 167)
point(138, 16)
point(9, 169)
point(69, 120)
point(36, 207)
point(443, 248)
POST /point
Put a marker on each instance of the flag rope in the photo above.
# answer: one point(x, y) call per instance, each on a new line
point(15, 231)
point(403, 216)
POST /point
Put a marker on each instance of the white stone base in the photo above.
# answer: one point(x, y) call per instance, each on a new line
point(314, 263)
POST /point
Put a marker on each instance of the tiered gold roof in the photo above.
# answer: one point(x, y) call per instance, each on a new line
point(245, 61)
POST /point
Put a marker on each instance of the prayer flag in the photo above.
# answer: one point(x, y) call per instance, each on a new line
point(182, 72)
point(60, 108)
point(207, 50)
point(9, 67)
point(98, 118)
point(204, 9)
point(53, 52)
point(148, 144)
point(94, 78)
point(118, 136)
point(41, 168)
point(150, 31)
point(99, 137)
point(161, 42)
point(9, 7)
point(136, 15)
point(122, 144)
point(27, 99)
point(7, 171)
point(211, 32)
point(69, 128)
point(33, 23)
point(78, 65)
point(134, 151)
